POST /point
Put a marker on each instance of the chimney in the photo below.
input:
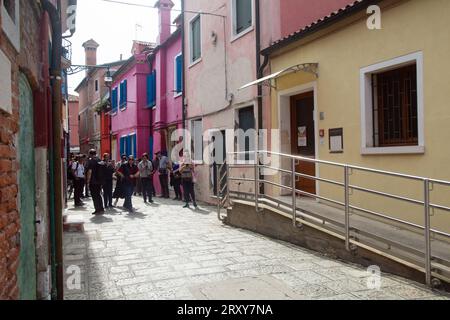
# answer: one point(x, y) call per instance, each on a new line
point(164, 9)
point(90, 50)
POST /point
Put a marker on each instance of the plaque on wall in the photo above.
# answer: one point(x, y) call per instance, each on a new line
point(336, 140)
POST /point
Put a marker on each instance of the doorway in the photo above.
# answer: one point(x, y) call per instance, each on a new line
point(303, 142)
point(26, 273)
point(219, 155)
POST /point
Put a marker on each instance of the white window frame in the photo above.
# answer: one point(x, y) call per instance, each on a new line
point(175, 93)
point(11, 28)
point(234, 35)
point(191, 48)
point(191, 126)
point(367, 145)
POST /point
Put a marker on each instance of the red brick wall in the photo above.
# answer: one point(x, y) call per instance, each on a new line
point(9, 217)
point(28, 63)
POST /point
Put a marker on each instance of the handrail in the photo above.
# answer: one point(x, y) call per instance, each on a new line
point(258, 180)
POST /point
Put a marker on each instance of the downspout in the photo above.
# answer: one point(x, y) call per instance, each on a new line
point(183, 48)
point(56, 171)
point(259, 75)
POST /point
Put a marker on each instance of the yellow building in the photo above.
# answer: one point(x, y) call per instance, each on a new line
point(375, 98)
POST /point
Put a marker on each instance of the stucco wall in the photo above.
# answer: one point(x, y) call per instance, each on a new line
point(410, 27)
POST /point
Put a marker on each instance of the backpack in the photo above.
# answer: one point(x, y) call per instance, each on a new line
point(70, 175)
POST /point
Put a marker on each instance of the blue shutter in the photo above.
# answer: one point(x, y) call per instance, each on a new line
point(128, 145)
point(134, 146)
point(125, 93)
point(179, 74)
point(152, 99)
point(114, 100)
point(150, 154)
point(149, 79)
point(122, 146)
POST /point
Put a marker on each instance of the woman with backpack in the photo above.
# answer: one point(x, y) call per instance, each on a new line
point(118, 191)
point(187, 176)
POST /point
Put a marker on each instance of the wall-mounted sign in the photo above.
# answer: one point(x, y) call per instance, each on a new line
point(302, 137)
point(336, 140)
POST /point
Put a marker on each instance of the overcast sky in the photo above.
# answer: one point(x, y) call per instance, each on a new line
point(114, 27)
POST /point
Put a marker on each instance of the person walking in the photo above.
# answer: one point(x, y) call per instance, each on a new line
point(129, 173)
point(78, 180)
point(96, 169)
point(164, 168)
point(108, 181)
point(176, 181)
point(118, 191)
point(86, 187)
point(187, 175)
point(146, 177)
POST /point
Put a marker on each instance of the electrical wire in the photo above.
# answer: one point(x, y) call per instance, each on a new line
point(153, 7)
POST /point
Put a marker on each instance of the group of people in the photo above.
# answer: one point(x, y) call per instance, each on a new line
point(99, 176)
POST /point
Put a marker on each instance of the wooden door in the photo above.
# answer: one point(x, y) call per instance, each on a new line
point(26, 273)
point(303, 135)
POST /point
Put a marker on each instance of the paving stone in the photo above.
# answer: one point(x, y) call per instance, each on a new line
point(165, 254)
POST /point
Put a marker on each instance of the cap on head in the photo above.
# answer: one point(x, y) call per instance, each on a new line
point(92, 152)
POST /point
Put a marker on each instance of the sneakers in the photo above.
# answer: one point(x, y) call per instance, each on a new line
point(186, 205)
point(98, 213)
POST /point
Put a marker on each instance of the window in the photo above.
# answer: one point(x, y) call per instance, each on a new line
point(242, 16)
point(392, 106)
point(151, 89)
point(246, 133)
point(96, 85)
point(123, 94)
point(178, 75)
point(10, 23)
point(114, 98)
point(197, 140)
point(128, 145)
point(10, 6)
point(196, 46)
point(395, 108)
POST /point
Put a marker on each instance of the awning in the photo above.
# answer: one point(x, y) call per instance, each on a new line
point(304, 67)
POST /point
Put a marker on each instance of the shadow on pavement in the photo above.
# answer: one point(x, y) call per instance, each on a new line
point(100, 219)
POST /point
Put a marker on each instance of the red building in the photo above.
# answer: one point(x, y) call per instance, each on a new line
point(73, 124)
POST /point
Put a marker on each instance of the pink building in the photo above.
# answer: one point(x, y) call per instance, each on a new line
point(130, 115)
point(165, 84)
point(223, 42)
point(147, 93)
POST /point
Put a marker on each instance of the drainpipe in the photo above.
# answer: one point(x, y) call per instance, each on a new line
point(259, 75)
point(183, 49)
point(56, 183)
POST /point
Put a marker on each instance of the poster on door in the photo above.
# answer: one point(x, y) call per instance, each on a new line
point(302, 137)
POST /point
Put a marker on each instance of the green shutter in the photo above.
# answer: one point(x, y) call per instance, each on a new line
point(179, 74)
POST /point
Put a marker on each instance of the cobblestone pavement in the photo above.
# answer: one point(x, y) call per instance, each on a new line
point(166, 252)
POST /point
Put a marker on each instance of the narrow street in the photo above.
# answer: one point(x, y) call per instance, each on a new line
point(165, 252)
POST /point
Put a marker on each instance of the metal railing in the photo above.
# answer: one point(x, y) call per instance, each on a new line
point(300, 216)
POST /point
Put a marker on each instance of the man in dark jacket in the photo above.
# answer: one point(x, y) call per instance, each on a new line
point(95, 179)
point(128, 172)
point(108, 181)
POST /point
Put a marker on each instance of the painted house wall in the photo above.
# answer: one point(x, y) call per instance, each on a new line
point(135, 117)
point(208, 90)
point(168, 110)
point(73, 122)
point(409, 27)
point(212, 83)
